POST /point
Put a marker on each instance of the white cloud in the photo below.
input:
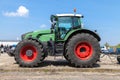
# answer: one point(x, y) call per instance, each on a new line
point(43, 26)
point(22, 11)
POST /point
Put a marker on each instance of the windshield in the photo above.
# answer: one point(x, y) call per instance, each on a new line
point(68, 22)
point(65, 22)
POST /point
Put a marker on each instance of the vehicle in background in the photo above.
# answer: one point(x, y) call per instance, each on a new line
point(11, 50)
point(104, 49)
point(110, 50)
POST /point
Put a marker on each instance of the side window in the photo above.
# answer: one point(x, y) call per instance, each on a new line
point(76, 21)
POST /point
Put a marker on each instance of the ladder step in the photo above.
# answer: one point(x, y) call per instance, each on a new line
point(58, 55)
point(59, 49)
point(60, 45)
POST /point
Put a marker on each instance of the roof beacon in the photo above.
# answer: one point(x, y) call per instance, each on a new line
point(74, 11)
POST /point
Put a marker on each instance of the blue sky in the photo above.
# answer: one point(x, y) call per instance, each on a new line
point(21, 16)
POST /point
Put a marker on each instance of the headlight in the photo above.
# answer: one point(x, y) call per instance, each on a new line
point(23, 36)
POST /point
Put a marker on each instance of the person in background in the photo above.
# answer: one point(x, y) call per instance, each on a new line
point(2, 48)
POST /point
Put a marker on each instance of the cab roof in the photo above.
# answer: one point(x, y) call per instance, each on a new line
point(62, 15)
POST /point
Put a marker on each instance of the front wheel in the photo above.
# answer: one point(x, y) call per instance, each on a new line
point(83, 50)
point(29, 53)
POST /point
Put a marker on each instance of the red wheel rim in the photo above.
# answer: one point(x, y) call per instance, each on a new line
point(83, 50)
point(30, 57)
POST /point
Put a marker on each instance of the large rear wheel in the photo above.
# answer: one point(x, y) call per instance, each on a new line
point(83, 50)
point(29, 53)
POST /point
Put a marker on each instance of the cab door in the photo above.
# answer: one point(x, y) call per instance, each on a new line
point(64, 25)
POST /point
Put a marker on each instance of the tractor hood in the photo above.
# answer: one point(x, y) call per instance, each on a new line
point(34, 34)
point(42, 32)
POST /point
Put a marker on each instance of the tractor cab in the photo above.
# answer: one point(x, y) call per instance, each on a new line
point(63, 23)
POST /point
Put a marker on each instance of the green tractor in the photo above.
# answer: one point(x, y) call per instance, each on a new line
point(67, 38)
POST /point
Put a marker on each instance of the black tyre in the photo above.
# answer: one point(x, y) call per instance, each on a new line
point(83, 50)
point(64, 54)
point(118, 59)
point(29, 53)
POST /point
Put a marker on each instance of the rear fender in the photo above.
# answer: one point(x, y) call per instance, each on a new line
point(73, 32)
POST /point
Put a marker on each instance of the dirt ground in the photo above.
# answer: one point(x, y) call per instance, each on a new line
point(59, 68)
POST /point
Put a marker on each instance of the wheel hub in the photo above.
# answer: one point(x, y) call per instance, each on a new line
point(29, 53)
point(83, 50)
